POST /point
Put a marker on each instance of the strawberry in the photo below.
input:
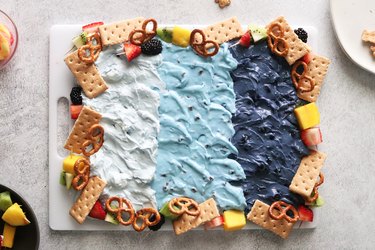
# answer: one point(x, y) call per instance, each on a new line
point(97, 211)
point(92, 27)
point(215, 222)
point(311, 136)
point(131, 51)
point(245, 40)
point(305, 213)
point(75, 110)
point(307, 58)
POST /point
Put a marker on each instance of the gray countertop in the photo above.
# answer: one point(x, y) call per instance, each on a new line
point(346, 104)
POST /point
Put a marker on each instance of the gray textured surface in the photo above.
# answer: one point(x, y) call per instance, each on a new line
point(346, 104)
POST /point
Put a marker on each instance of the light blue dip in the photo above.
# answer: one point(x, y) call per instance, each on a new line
point(195, 129)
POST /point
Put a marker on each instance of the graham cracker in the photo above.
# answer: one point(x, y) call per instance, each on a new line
point(308, 172)
point(259, 215)
point(87, 75)
point(79, 133)
point(372, 48)
point(186, 222)
point(368, 36)
point(85, 202)
point(317, 70)
point(118, 32)
point(224, 31)
point(297, 48)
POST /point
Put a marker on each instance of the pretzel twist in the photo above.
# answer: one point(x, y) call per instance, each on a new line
point(95, 140)
point(276, 41)
point(144, 215)
point(137, 37)
point(124, 207)
point(301, 80)
point(282, 208)
point(315, 193)
point(183, 205)
point(82, 173)
point(93, 49)
point(203, 47)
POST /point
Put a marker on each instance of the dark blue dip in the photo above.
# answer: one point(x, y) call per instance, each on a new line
point(267, 135)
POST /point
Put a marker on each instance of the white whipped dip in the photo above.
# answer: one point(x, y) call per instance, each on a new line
point(127, 159)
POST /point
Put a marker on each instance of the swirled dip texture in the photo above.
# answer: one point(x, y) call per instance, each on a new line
point(127, 159)
point(195, 129)
point(267, 135)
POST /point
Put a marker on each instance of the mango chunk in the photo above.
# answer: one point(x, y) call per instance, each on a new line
point(69, 161)
point(181, 36)
point(8, 234)
point(15, 216)
point(234, 220)
point(307, 116)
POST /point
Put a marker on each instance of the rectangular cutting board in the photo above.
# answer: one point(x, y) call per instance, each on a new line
point(61, 81)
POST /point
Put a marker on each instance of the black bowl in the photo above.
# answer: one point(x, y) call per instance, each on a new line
point(27, 237)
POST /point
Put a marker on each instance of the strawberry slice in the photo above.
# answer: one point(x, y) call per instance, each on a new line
point(75, 110)
point(311, 136)
point(245, 40)
point(97, 211)
point(215, 222)
point(305, 213)
point(92, 27)
point(132, 51)
point(307, 58)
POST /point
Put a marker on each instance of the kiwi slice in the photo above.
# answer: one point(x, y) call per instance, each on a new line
point(5, 201)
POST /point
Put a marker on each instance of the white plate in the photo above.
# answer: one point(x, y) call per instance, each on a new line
point(350, 18)
point(61, 81)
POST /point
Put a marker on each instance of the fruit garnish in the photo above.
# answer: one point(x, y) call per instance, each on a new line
point(245, 40)
point(97, 211)
point(152, 47)
point(131, 51)
point(75, 110)
point(319, 202)
point(258, 33)
point(305, 213)
point(5, 201)
point(311, 136)
point(181, 36)
point(165, 34)
point(69, 161)
point(216, 222)
point(68, 179)
point(76, 96)
point(159, 224)
point(14, 216)
point(92, 27)
point(62, 180)
point(8, 236)
point(111, 219)
point(80, 40)
point(302, 34)
point(307, 58)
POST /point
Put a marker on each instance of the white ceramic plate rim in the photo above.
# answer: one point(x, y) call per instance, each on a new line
point(349, 19)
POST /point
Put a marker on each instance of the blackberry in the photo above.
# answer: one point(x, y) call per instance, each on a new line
point(75, 96)
point(152, 47)
point(302, 34)
point(157, 226)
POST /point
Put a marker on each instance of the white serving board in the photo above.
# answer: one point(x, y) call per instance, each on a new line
point(61, 81)
point(349, 19)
